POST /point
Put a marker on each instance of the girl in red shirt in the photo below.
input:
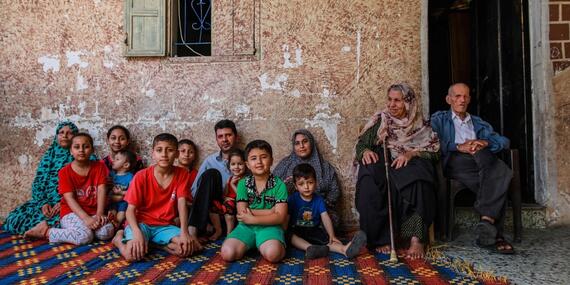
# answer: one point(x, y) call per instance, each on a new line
point(82, 185)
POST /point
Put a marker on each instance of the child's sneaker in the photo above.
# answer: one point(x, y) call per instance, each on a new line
point(317, 251)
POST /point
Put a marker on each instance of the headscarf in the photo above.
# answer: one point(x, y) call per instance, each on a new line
point(411, 133)
point(327, 184)
point(44, 187)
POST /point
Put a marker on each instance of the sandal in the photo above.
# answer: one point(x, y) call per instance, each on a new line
point(485, 233)
point(504, 247)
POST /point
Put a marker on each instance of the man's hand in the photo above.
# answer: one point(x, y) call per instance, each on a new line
point(369, 157)
point(472, 146)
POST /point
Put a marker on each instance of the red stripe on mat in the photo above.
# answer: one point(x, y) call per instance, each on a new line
point(210, 272)
point(159, 270)
point(423, 271)
point(19, 248)
point(369, 270)
point(263, 272)
point(68, 265)
point(36, 259)
point(110, 269)
point(317, 272)
point(9, 238)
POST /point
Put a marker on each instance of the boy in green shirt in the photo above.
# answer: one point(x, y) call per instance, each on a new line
point(261, 208)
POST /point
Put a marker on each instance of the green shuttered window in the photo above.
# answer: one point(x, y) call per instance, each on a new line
point(145, 23)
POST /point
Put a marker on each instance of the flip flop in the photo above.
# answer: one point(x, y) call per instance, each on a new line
point(485, 233)
point(316, 251)
point(358, 241)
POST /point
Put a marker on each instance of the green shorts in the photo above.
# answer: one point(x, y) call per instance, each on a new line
point(254, 235)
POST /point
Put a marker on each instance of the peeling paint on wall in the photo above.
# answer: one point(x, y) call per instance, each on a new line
point(213, 115)
point(242, 109)
point(287, 57)
point(49, 62)
point(23, 161)
point(280, 81)
point(74, 57)
point(329, 125)
point(80, 83)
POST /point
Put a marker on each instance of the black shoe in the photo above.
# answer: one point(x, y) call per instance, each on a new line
point(485, 233)
point(317, 251)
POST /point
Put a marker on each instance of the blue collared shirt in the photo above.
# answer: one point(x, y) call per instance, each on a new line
point(216, 161)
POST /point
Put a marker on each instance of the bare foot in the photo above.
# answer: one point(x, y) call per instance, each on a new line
point(216, 235)
point(416, 249)
point(118, 242)
point(385, 249)
point(170, 248)
point(39, 231)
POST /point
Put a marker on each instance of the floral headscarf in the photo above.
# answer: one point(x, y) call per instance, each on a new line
point(411, 133)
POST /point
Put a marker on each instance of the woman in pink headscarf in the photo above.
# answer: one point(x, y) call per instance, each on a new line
point(412, 145)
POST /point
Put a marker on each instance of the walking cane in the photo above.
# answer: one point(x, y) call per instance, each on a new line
point(393, 256)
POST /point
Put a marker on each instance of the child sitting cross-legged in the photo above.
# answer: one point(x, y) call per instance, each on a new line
point(156, 196)
point(261, 208)
point(308, 215)
point(82, 185)
point(125, 161)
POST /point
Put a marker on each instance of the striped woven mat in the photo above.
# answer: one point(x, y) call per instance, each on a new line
point(38, 262)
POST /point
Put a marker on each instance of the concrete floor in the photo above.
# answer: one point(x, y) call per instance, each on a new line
point(543, 256)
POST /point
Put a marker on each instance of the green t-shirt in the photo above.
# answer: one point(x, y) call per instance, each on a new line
point(275, 192)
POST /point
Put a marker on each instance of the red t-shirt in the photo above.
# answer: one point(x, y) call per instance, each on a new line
point(156, 206)
point(84, 187)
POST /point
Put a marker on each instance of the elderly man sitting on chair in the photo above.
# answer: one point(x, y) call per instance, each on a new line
point(469, 146)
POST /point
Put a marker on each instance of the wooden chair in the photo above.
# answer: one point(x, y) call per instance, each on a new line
point(448, 189)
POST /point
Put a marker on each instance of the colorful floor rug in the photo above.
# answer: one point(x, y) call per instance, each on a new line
point(38, 262)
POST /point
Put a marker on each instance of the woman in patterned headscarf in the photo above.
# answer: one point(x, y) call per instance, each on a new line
point(411, 144)
point(305, 151)
point(44, 204)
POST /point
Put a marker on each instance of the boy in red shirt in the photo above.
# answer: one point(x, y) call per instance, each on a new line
point(156, 196)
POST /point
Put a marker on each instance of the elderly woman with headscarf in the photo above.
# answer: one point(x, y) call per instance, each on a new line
point(44, 205)
point(411, 145)
point(305, 151)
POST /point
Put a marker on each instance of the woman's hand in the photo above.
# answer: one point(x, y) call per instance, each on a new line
point(46, 210)
point(402, 159)
point(55, 209)
point(369, 157)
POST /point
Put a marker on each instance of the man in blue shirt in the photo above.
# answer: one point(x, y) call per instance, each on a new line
point(212, 175)
point(468, 147)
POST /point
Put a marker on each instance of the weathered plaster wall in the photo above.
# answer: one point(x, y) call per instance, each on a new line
point(561, 84)
point(325, 65)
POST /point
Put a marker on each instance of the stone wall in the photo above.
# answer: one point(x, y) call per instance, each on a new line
point(324, 65)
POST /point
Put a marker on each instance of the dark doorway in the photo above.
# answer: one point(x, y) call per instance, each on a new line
point(485, 44)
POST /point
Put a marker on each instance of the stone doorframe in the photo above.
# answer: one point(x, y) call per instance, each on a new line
point(545, 187)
